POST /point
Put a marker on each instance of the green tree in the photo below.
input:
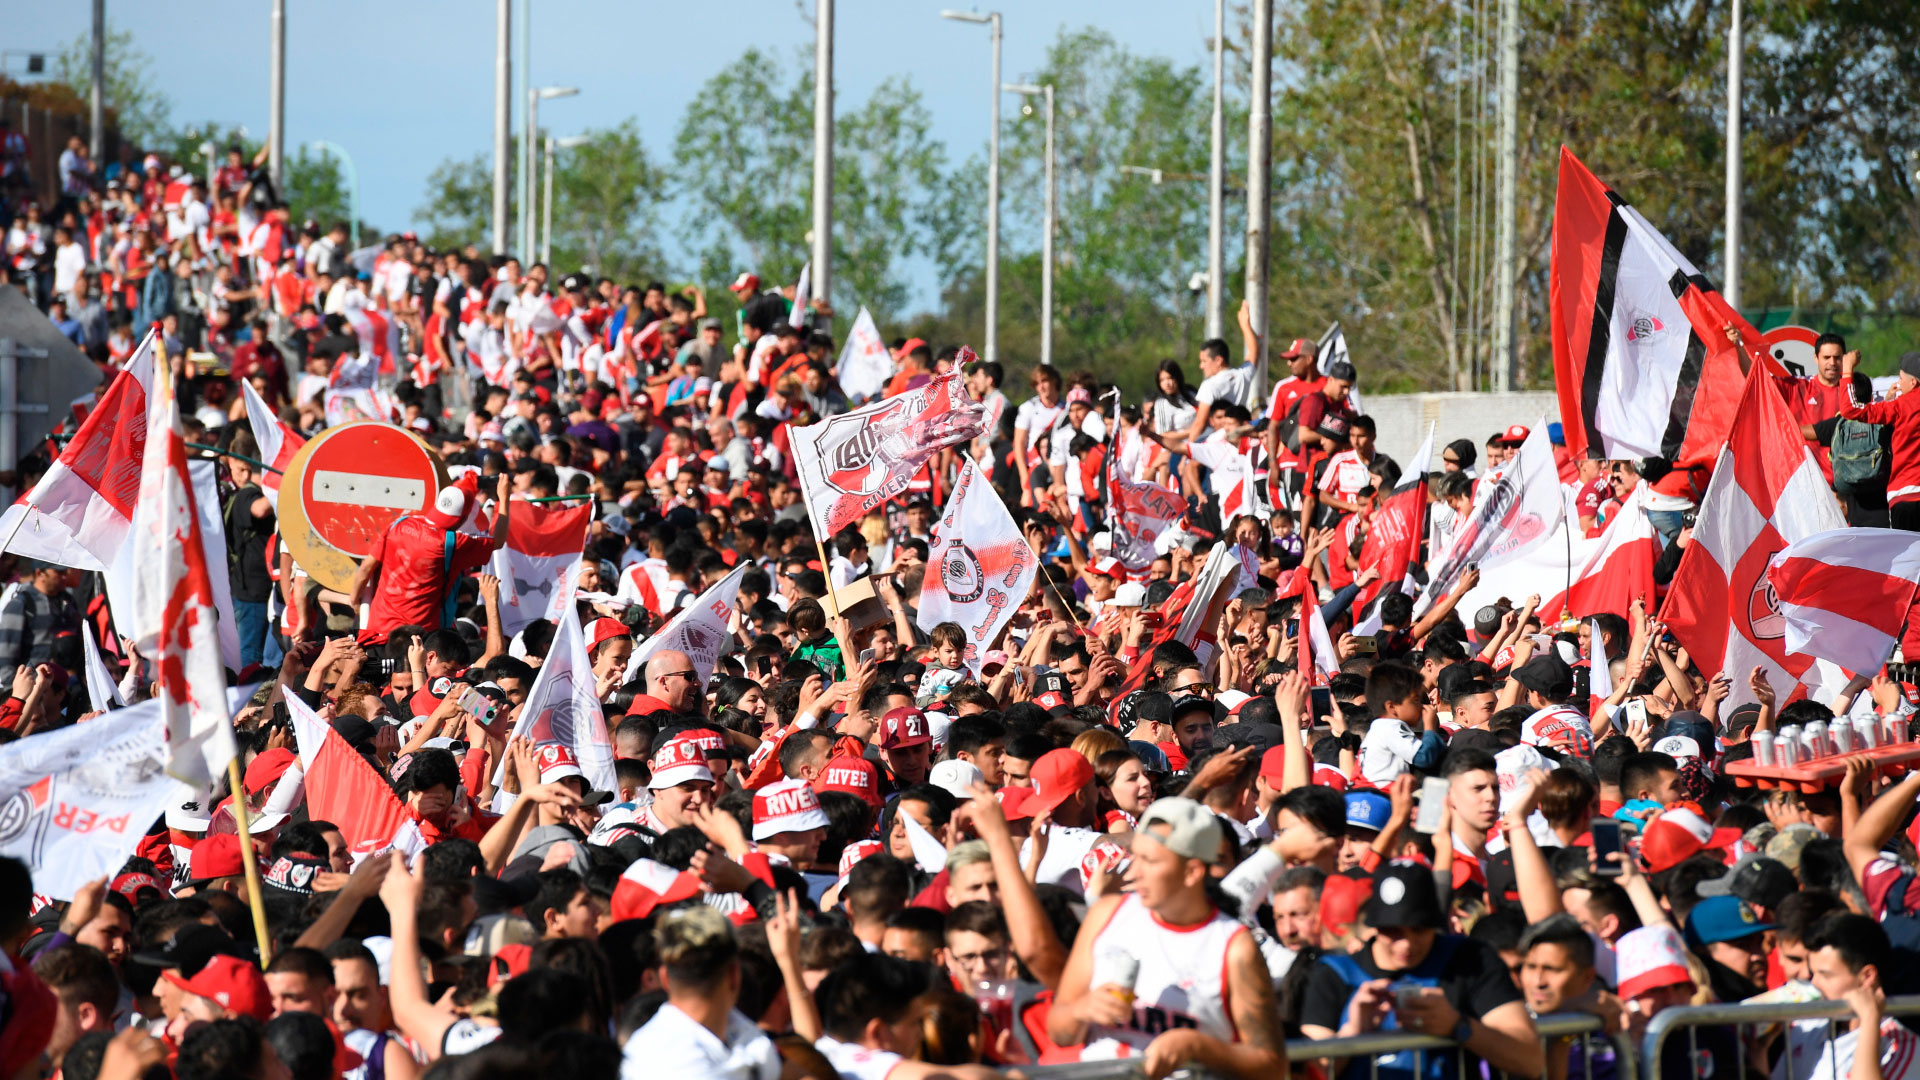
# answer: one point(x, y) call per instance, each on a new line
point(142, 111)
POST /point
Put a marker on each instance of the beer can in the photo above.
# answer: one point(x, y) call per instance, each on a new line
point(1763, 747)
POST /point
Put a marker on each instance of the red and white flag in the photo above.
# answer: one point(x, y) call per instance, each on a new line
point(1641, 359)
point(344, 788)
point(853, 462)
point(376, 333)
point(1511, 516)
point(1316, 642)
point(1767, 492)
point(1141, 512)
point(277, 440)
point(1621, 570)
point(173, 616)
point(1845, 594)
point(1599, 674)
point(1393, 540)
point(1234, 488)
point(563, 706)
point(79, 512)
point(981, 569)
point(542, 545)
point(700, 630)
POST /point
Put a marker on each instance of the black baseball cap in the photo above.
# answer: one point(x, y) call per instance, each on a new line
point(188, 950)
point(1757, 879)
point(1546, 674)
point(1404, 896)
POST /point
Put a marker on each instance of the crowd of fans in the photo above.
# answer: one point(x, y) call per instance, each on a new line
point(850, 852)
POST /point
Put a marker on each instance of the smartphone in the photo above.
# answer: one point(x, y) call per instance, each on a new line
point(1366, 643)
point(866, 655)
point(1155, 619)
point(1635, 712)
point(477, 705)
point(1433, 800)
point(764, 664)
point(1606, 842)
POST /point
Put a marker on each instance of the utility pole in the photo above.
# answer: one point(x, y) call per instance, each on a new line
point(989, 347)
point(96, 94)
point(1047, 221)
point(1736, 56)
point(1259, 176)
point(277, 100)
point(527, 119)
point(1504, 350)
point(502, 119)
point(1217, 181)
point(823, 151)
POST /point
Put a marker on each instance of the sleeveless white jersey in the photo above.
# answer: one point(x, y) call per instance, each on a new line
point(1182, 979)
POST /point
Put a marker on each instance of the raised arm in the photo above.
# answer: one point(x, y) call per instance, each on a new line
point(1034, 941)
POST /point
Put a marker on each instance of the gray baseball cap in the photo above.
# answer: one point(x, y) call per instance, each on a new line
point(1192, 829)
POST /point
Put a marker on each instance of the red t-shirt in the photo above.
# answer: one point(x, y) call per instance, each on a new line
point(414, 576)
point(1809, 401)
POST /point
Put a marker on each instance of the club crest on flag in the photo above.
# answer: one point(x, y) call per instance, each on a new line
point(1643, 327)
point(1763, 607)
point(960, 570)
point(17, 813)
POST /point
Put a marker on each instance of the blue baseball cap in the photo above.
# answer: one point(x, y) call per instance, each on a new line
point(1368, 810)
point(1722, 918)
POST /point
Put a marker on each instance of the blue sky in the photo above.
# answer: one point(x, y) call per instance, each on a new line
point(402, 86)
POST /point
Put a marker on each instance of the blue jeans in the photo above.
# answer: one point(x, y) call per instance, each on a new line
point(251, 621)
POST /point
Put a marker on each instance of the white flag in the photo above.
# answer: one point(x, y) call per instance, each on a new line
point(865, 362)
point(76, 801)
point(1511, 516)
point(563, 706)
point(1599, 675)
point(171, 611)
point(277, 442)
point(982, 567)
point(700, 630)
point(101, 687)
point(802, 297)
point(1221, 571)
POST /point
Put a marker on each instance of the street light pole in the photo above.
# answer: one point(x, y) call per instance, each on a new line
point(96, 93)
point(1047, 224)
point(1259, 175)
point(524, 242)
point(546, 213)
point(1736, 50)
point(502, 119)
point(1217, 181)
point(534, 95)
point(823, 150)
point(1504, 351)
point(353, 190)
point(990, 345)
point(277, 99)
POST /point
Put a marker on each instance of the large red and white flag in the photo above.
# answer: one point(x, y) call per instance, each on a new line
point(563, 706)
point(1141, 512)
point(982, 567)
point(856, 461)
point(1620, 571)
point(700, 630)
point(1844, 595)
point(1511, 516)
point(542, 546)
point(1767, 492)
point(1234, 489)
point(80, 799)
point(1222, 570)
point(1393, 539)
point(1641, 359)
point(865, 363)
point(79, 512)
point(277, 440)
point(173, 615)
point(344, 788)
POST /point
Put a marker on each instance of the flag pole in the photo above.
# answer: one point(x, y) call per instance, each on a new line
point(250, 860)
point(826, 565)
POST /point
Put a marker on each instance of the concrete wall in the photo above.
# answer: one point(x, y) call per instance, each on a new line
point(1403, 418)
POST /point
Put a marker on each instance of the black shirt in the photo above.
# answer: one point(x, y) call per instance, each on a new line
point(1474, 979)
point(247, 546)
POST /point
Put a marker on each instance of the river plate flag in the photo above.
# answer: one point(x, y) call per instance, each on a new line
point(853, 462)
point(982, 568)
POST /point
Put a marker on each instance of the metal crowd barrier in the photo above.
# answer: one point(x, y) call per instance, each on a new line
point(1690, 1018)
point(1375, 1043)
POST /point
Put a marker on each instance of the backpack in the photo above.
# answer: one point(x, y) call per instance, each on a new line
point(1861, 464)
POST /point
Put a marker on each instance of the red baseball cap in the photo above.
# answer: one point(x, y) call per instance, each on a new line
point(679, 760)
point(217, 856)
point(746, 280)
point(1273, 763)
point(130, 883)
point(854, 852)
point(852, 775)
point(508, 961)
point(1340, 900)
point(1013, 801)
point(1056, 776)
point(231, 983)
point(903, 727)
point(909, 345)
point(1300, 347)
point(1677, 834)
point(1108, 567)
point(604, 630)
point(1516, 434)
point(267, 768)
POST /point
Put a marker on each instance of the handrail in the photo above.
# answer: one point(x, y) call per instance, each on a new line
point(1552, 1026)
point(1734, 1012)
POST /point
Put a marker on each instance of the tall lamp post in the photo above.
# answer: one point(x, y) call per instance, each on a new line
point(990, 346)
point(534, 96)
point(353, 190)
point(546, 211)
point(1046, 236)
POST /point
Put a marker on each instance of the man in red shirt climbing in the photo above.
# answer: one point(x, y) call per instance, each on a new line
point(418, 560)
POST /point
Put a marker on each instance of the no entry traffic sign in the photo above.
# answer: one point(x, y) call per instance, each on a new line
point(352, 482)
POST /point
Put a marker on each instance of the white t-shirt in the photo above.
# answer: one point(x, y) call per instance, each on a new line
point(853, 1061)
point(1066, 846)
point(1230, 386)
point(674, 1044)
point(1170, 416)
point(1832, 1059)
point(1387, 750)
point(68, 264)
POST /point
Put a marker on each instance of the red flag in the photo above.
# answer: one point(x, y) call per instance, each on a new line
point(1393, 540)
point(1641, 359)
point(1621, 570)
point(1766, 492)
point(344, 788)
